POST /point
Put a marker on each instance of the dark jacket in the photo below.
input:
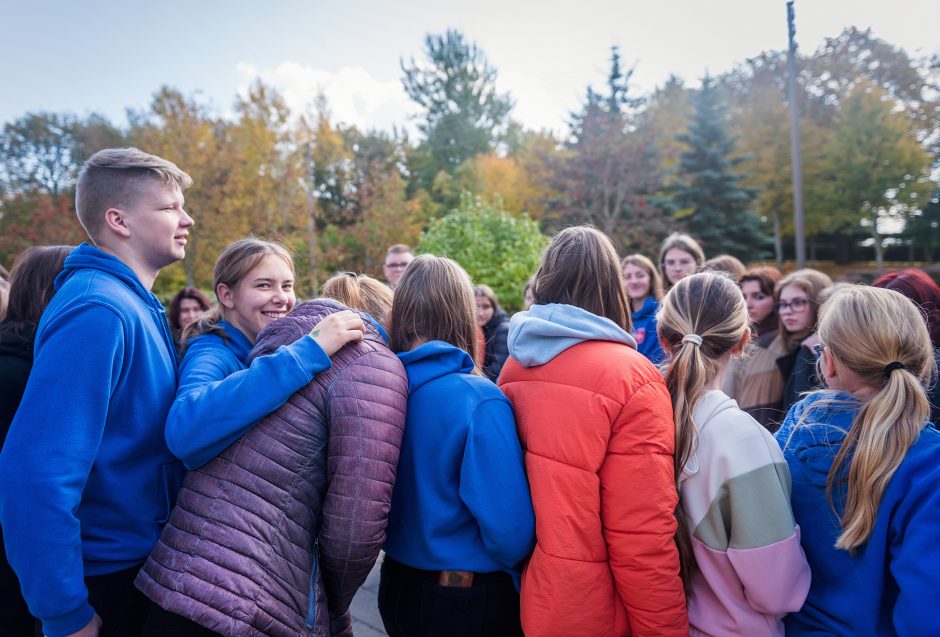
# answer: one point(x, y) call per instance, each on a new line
point(275, 536)
point(799, 369)
point(16, 359)
point(496, 333)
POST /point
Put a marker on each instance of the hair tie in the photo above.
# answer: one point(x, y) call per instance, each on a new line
point(890, 367)
point(692, 338)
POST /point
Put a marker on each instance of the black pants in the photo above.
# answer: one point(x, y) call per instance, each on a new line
point(121, 607)
point(126, 612)
point(412, 603)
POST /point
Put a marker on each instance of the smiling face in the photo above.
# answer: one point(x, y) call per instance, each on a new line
point(759, 305)
point(794, 309)
point(637, 282)
point(678, 264)
point(263, 295)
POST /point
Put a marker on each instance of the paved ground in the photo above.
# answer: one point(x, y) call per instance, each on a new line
point(365, 609)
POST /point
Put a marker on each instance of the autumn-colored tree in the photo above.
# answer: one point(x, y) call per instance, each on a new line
point(611, 172)
point(875, 167)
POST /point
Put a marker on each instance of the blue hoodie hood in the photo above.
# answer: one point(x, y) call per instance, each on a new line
point(433, 360)
point(545, 331)
point(88, 257)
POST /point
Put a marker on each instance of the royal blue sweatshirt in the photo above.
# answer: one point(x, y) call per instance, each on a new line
point(86, 479)
point(461, 498)
point(220, 398)
point(889, 586)
point(644, 331)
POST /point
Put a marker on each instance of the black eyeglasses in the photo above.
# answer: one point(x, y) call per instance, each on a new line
point(396, 266)
point(796, 305)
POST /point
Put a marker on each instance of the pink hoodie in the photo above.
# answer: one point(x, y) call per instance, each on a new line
point(735, 491)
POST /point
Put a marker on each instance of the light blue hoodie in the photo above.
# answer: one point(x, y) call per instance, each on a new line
point(544, 331)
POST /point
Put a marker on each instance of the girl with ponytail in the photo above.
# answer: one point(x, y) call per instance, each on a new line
point(742, 564)
point(866, 465)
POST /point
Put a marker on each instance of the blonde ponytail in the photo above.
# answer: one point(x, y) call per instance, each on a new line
point(702, 318)
point(881, 337)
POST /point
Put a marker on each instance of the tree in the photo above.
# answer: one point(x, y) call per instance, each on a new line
point(611, 172)
point(875, 167)
point(922, 230)
point(714, 205)
point(462, 111)
point(493, 246)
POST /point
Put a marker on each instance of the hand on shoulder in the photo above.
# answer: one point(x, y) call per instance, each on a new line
point(337, 329)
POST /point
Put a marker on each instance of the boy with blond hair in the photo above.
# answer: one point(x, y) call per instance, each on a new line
point(86, 479)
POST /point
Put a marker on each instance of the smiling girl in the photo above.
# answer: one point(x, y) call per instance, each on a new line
point(644, 289)
point(220, 397)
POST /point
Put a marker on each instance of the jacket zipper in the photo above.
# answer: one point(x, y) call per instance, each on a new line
point(312, 599)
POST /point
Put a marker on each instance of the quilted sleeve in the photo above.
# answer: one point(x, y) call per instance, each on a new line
point(366, 406)
point(638, 501)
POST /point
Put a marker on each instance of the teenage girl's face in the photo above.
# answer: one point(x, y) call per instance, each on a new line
point(485, 310)
point(678, 264)
point(190, 310)
point(794, 309)
point(263, 296)
point(637, 282)
point(759, 305)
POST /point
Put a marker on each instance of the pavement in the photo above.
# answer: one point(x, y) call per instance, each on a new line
point(366, 621)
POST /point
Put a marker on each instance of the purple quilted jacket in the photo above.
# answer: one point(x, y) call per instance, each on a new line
point(276, 535)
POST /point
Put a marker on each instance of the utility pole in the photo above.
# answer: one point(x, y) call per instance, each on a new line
point(799, 234)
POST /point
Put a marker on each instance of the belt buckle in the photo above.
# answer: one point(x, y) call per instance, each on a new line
point(455, 579)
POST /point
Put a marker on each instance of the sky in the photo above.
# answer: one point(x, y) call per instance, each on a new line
point(106, 56)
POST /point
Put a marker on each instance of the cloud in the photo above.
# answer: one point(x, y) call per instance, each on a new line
point(353, 95)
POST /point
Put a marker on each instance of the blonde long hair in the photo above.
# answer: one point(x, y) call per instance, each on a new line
point(360, 292)
point(711, 306)
point(867, 330)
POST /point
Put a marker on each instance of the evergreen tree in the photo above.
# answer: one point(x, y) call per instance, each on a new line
point(462, 112)
point(714, 205)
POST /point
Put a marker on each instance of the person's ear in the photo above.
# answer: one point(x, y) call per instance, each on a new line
point(115, 220)
point(738, 349)
point(827, 364)
point(226, 296)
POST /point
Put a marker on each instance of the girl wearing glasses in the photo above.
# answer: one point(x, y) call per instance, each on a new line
point(865, 466)
point(798, 296)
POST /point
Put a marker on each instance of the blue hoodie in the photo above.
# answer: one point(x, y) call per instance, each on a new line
point(889, 586)
point(541, 333)
point(86, 479)
point(220, 397)
point(644, 331)
point(461, 499)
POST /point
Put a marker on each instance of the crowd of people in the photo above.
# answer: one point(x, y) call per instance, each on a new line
point(647, 449)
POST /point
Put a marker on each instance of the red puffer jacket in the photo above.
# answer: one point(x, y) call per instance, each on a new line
point(596, 426)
